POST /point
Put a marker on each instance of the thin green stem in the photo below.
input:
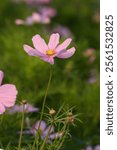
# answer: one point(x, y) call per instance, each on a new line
point(22, 123)
point(43, 106)
point(48, 85)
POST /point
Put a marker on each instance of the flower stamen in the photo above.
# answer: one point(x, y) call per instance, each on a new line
point(50, 52)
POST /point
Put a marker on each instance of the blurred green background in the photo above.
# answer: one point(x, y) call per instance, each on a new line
point(70, 77)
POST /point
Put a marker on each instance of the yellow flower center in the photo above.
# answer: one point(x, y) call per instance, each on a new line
point(50, 52)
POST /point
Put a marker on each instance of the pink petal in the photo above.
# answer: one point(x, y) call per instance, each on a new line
point(19, 22)
point(66, 54)
point(64, 45)
point(36, 126)
point(31, 51)
point(49, 129)
point(28, 21)
point(19, 108)
point(48, 59)
point(8, 94)
point(36, 17)
point(45, 19)
point(31, 108)
point(54, 41)
point(51, 60)
point(2, 109)
point(1, 76)
point(39, 43)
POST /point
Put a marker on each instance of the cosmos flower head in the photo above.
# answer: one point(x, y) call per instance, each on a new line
point(35, 18)
point(48, 11)
point(48, 52)
point(8, 93)
point(43, 131)
point(90, 53)
point(63, 31)
point(92, 77)
point(19, 108)
point(42, 17)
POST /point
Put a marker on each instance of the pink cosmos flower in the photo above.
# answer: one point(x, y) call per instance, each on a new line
point(40, 18)
point(92, 77)
point(19, 108)
point(19, 22)
point(43, 130)
point(8, 94)
point(63, 31)
point(50, 51)
point(48, 11)
point(90, 53)
point(33, 19)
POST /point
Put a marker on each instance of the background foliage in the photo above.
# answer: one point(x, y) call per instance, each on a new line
point(69, 82)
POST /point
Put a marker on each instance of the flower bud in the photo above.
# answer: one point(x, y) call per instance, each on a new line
point(52, 111)
point(70, 117)
point(24, 102)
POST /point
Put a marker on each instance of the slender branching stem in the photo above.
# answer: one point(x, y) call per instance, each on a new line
point(22, 123)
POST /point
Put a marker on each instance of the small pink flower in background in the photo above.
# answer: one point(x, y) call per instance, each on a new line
point(97, 147)
point(50, 51)
point(92, 77)
point(44, 15)
point(30, 20)
point(43, 19)
point(96, 17)
point(33, 19)
point(36, 17)
point(43, 131)
point(19, 108)
point(90, 53)
point(19, 22)
point(8, 94)
point(63, 31)
point(48, 11)
point(89, 147)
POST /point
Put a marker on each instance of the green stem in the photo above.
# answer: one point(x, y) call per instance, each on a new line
point(48, 85)
point(22, 123)
point(43, 106)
